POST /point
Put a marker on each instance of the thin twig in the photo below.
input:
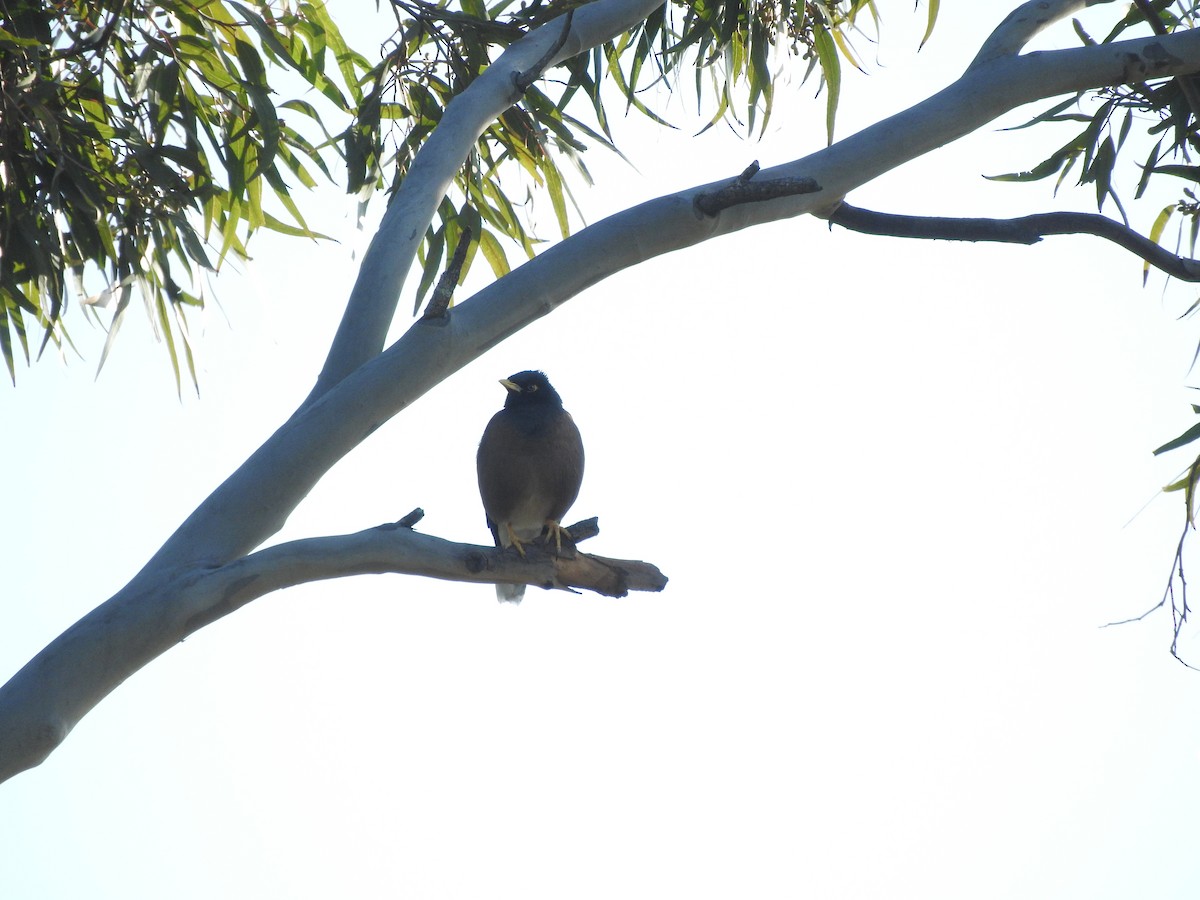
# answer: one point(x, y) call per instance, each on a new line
point(1179, 610)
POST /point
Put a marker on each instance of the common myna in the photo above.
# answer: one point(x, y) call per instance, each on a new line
point(530, 466)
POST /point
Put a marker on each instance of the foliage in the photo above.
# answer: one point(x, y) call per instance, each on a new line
point(136, 138)
point(1165, 112)
point(438, 52)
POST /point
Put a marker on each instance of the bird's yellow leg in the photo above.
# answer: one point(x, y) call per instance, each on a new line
point(514, 540)
point(555, 530)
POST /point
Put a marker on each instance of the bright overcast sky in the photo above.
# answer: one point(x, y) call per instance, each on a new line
point(890, 483)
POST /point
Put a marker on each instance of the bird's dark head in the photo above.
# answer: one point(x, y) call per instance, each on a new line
point(530, 390)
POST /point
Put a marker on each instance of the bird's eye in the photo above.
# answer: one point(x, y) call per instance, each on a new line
point(532, 388)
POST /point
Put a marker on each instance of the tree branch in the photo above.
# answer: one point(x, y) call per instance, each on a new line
point(1022, 230)
point(389, 258)
point(397, 549)
point(1023, 24)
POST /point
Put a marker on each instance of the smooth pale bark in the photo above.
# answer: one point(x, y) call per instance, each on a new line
point(194, 578)
point(389, 258)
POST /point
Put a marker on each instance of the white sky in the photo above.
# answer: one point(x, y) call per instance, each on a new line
point(890, 483)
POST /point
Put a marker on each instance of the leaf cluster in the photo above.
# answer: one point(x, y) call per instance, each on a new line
point(440, 49)
point(1164, 112)
point(136, 141)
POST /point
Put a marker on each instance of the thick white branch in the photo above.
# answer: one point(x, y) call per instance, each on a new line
point(1022, 24)
point(390, 257)
point(402, 551)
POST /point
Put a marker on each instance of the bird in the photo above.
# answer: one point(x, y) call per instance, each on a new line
point(530, 468)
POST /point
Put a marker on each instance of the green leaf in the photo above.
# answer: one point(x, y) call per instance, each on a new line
point(931, 20)
point(269, 37)
point(475, 8)
point(6, 344)
point(1147, 170)
point(10, 40)
point(274, 224)
point(554, 186)
point(494, 254)
point(1156, 230)
point(1190, 495)
point(831, 69)
point(618, 77)
point(1054, 114)
point(118, 317)
point(1048, 166)
point(1100, 171)
point(348, 62)
point(1188, 173)
point(1186, 438)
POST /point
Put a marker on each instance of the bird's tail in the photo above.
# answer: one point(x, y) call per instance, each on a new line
point(510, 593)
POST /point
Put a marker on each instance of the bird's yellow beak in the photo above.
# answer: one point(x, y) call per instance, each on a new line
point(511, 385)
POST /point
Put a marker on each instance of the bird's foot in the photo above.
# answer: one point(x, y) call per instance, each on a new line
point(556, 531)
point(515, 541)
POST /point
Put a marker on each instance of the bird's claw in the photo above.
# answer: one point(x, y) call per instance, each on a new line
point(515, 541)
point(555, 530)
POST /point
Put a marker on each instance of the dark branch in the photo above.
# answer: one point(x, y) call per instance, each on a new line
point(743, 190)
point(439, 302)
point(526, 79)
point(1024, 230)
